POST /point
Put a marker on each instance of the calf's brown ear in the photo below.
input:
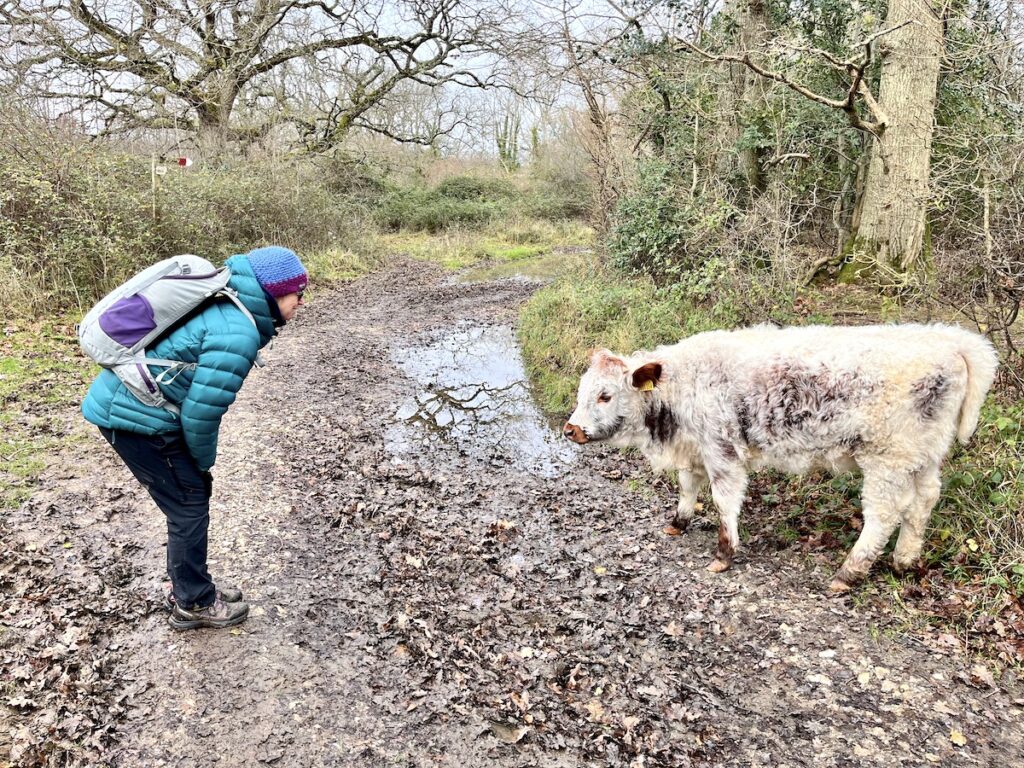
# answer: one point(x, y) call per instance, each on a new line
point(647, 376)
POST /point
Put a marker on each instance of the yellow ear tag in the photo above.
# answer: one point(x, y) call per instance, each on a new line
point(647, 386)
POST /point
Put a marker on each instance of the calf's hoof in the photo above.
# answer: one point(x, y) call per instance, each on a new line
point(838, 587)
point(910, 566)
point(718, 565)
point(674, 530)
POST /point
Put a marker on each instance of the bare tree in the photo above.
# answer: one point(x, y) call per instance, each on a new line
point(188, 64)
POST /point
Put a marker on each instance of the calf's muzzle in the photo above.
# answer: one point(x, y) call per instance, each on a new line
point(574, 433)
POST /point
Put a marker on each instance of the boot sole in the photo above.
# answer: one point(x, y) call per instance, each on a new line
point(181, 624)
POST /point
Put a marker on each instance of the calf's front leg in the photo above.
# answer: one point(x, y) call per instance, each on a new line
point(690, 482)
point(727, 489)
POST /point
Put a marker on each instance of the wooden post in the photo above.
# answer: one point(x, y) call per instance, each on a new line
point(152, 178)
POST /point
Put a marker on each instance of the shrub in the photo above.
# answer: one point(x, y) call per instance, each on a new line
point(76, 218)
point(417, 209)
point(664, 233)
point(474, 201)
point(475, 188)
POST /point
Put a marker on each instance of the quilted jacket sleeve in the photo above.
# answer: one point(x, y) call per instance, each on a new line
point(227, 353)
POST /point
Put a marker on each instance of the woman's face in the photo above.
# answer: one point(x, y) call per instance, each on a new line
point(289, 304)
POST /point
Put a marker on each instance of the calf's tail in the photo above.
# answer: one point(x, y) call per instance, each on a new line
point(981, 360)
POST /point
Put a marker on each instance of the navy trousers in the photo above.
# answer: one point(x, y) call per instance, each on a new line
point(164, 466)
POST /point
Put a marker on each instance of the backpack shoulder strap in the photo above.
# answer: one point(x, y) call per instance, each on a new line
point(232, 294)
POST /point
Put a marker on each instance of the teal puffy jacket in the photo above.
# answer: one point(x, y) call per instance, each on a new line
point(223, 342)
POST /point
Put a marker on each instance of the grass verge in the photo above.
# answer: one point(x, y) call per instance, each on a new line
point(505, 241)
point(42, 374)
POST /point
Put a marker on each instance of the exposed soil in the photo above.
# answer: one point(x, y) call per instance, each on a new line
point(436, 581)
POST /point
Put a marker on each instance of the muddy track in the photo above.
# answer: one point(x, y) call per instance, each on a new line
point(421, 601)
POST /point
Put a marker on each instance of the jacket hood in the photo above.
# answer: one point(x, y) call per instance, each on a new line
point(250, 292)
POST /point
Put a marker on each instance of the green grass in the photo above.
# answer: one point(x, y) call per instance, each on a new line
point(978, 526)
point(42, 375)
point(334, 265)
point(592, 306)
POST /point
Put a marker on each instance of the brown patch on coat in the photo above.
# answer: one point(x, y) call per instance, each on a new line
point(660, 422)
point(929, 392)
point(575, 434)
point(725, 551)
point(727, 450)
point(790, 397)
point(852, 443)
point(605, 361)
point(743, 421)
point(853, 571)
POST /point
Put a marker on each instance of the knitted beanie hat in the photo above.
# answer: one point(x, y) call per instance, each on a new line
point(278, 270)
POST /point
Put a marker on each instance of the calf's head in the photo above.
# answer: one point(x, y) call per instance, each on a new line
point(610, 397)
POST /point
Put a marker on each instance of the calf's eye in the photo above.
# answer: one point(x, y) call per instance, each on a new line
point(604, 397)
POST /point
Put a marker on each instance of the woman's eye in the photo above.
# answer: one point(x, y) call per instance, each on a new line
point(604, 398)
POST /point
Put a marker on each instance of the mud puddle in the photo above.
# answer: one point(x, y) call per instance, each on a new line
point(472, 396)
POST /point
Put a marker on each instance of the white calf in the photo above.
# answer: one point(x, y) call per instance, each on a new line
point(887, 400)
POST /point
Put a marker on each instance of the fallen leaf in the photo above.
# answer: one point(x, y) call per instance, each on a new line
point(982, 676)
point(521, 701)
point(508, 733)
point(957, 738)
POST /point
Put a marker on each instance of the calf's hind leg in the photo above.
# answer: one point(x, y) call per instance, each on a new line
point(928, 485)
point(885, 495)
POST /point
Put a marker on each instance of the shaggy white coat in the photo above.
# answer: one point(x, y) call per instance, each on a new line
point(887, 400)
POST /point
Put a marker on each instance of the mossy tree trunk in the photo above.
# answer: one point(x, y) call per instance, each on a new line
point(891, 230)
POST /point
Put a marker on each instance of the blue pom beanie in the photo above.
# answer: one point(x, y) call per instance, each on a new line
point(278, 270)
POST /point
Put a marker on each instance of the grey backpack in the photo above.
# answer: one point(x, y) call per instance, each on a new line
point(116, 331)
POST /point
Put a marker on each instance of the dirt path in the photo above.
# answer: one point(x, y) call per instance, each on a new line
point(423, 596)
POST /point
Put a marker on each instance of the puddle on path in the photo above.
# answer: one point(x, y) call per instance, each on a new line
point(472, 395)
point(544, 268)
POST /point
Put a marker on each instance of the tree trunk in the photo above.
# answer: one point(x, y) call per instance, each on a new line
point(214, 107)
point(891, 231)
point(745, 90)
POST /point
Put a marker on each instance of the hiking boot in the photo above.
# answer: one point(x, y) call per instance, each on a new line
point(215, 616)
point(227, 594)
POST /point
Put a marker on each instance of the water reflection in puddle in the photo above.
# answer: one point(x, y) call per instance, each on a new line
point(473, 396)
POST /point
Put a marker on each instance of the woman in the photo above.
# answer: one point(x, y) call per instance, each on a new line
point(171, 454)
